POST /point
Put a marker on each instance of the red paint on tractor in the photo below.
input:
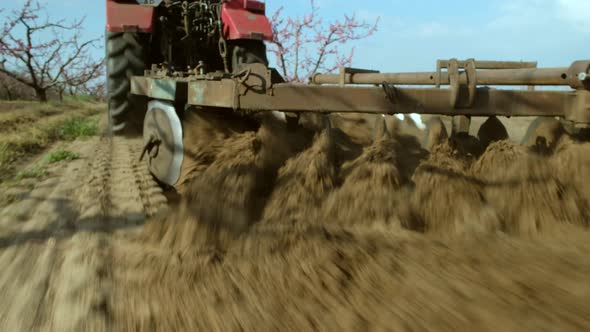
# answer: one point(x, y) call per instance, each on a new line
point(129, 17)
point(245, 19)
point(254, 5)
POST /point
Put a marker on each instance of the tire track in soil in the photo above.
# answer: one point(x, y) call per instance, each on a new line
point(82, 294)
point(56, 242)
point(30, 254)
point(120, 184)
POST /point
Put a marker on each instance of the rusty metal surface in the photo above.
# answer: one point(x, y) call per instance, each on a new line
point(409, 100)
point(541, 76)
point(310, 98)
point(255, 89)
point(213, 93)
point(483, 64)
point(579, 75)
point(503, 73)
point(580, 113)
point(159, 88)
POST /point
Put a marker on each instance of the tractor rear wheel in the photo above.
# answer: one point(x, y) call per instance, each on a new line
point(125, 53)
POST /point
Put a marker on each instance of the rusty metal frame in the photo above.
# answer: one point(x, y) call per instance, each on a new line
point(256, 90)
point(461, 123)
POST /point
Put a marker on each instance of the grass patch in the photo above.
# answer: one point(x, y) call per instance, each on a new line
point(5, 153)
point(80, 99)
point(60, 155)
point(15, 115)
point(33, 172)
point(40, 171)
point(21, 138)
point(78, 127)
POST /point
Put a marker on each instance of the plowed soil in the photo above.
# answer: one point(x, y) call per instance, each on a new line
point(353, 228)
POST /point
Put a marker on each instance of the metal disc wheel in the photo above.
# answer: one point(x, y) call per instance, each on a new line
point(543, 133)
point(162, 134)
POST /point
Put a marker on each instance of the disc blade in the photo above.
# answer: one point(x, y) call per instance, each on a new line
point(163, 124)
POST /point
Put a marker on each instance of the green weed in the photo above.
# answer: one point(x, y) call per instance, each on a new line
point(33, 172)
point(60, 155)
point(78, 127)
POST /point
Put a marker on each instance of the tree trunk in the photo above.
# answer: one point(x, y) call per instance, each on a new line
point(41, 95)
point(8, 92)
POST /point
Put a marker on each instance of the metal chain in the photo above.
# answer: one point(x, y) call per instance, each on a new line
point(222, 41)
point(223, 53)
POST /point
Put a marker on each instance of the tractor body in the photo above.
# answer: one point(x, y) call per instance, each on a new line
point(171, 60)
point(242, 19)
point(129, 16)
point(179, 35)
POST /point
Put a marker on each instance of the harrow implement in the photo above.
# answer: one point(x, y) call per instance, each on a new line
point(460, 89)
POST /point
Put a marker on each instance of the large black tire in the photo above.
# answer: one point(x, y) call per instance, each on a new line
point(125, 52)
point(247, 51)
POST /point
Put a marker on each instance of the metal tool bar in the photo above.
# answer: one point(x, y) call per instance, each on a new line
point(542, 76)
point(407, 100)
point(483, 64)
point(327, 99)
point(256, 90)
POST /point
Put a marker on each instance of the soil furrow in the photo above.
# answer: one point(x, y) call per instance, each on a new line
point(378, 239)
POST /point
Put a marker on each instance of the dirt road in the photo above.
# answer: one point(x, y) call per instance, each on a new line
point(85, 249)
point(56, 251)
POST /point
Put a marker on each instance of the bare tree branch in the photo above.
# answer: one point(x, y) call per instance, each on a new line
point(305, 45)
point(42, 62)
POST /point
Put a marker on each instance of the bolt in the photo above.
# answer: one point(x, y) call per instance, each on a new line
point(583, 76)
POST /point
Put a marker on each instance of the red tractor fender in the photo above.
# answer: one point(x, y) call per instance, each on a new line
point(245, 19)
point(125, 15)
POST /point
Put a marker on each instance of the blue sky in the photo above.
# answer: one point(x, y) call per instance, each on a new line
point(413, 34)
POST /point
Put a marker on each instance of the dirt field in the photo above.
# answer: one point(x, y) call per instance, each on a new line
point(351, 230)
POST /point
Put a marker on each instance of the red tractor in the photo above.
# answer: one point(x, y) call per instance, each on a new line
point(198, 59)
point(179, 36)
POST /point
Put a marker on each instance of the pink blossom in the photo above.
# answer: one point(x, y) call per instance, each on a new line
point(305, 45)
